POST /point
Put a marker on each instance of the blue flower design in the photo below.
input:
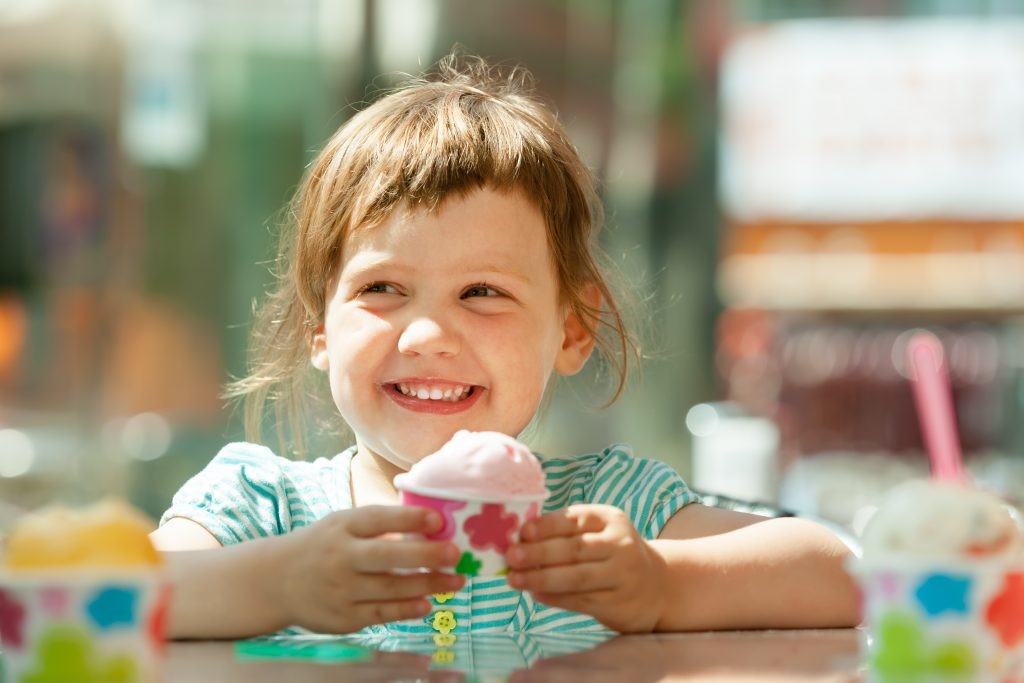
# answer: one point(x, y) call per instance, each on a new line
point(941, 593)
point(113, 606)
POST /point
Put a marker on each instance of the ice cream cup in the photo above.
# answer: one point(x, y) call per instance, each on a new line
point(88, 624)
point(932, 620)
point(482, 527)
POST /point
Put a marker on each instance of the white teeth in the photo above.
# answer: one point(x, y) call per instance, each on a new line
point(424, 392)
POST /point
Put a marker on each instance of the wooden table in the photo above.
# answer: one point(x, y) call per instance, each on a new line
point(825, 655)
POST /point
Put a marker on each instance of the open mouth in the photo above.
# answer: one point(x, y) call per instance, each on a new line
point(446, 394)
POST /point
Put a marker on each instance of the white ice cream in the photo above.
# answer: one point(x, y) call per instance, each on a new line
point(930, 519)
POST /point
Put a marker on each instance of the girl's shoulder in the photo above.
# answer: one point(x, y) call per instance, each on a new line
point(244, 454)
point(649, 491)
point(247, 491)
point(242, 465)
point(616, 454)
point(616, 464)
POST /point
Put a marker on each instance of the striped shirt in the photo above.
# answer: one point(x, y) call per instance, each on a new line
point(247, 492)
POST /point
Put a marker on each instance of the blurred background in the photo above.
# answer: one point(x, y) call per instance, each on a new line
point(790, 187)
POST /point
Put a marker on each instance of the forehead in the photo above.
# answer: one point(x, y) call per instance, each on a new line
point(506, 229)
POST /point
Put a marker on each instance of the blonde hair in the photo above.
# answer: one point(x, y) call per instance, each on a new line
point(466, 126)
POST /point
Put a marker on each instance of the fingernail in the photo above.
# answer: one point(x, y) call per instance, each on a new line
point(451, 554)
point(515, 555)
point(515, 579)
point(434, 521)
point(454, 582)
point(527, 532)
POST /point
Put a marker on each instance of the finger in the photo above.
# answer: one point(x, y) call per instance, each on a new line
point(591, 547)
point(391, 610)
point(576, 578)
point(386, 587)
point(377, 555)
point(374, 520)
point(570, 521)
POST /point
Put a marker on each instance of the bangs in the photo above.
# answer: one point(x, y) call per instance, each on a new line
point(422, 145)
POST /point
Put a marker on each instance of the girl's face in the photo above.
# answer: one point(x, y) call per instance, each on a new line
point(445, 321)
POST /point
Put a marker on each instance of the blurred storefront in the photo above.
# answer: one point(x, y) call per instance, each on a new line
point(870, 179)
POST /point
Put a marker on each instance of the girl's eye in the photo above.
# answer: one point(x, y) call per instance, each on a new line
point(378, 288)
point(480, 290)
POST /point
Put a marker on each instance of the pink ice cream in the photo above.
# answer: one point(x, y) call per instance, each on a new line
point(479, 464)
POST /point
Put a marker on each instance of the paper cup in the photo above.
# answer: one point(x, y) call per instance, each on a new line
point(82, 626)
point(942, 619)
point(482, 528)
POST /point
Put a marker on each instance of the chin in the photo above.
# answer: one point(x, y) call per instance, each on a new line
point(410, 452)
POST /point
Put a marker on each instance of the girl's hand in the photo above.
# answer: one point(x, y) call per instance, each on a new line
point(590, 558)
point(345, 571)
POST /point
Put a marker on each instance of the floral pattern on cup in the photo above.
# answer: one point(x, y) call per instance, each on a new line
point(82, 628)
point(934, 620)
point(1006, 611)
point(12, 619)
point(446, 508)
point(482, 530)
point(492, 528)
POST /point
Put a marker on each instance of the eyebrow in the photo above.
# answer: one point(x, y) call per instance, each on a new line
point(362, 263)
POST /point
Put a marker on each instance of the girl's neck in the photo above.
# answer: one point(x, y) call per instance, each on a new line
point(373, 479)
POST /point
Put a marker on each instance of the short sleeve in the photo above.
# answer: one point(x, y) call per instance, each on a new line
point(238, 496)
point(649, 491)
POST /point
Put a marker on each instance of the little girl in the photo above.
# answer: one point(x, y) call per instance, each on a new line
point(442, 267)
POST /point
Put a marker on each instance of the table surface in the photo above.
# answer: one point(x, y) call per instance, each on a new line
point(819, 655)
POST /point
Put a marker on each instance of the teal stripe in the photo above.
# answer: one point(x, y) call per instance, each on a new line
point(265, 490)
point(239, 529)
point(644, 517)
point(507, 604)
point(605, 486)
point(558, 619)
point(230, 459)
point(492, 625)
point(261, 500)
point(554, 479)
point(631, 490)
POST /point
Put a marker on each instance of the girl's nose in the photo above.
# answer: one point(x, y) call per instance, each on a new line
point(428, 336)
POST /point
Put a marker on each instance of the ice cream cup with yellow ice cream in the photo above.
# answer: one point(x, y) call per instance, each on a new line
point(82, 597)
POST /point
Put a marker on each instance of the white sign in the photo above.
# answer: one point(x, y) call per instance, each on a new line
point(874, 120)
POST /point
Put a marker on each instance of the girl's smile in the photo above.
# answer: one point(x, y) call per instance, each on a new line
point(440, 397)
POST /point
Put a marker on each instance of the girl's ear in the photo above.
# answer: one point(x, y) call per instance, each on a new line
point(318, 350)
point(577, 342)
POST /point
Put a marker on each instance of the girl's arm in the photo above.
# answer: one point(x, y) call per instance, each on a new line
point(709, 569)
point(729, 569)
point(229, 592)
point(337, 575)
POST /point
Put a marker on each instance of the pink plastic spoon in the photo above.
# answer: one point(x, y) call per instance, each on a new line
point(929, 378)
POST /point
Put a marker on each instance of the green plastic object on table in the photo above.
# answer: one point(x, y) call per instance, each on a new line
point(319, 650)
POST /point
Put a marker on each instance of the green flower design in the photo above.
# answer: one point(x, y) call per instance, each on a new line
point(902, 648)
point(66, 653)
point(468, 564)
